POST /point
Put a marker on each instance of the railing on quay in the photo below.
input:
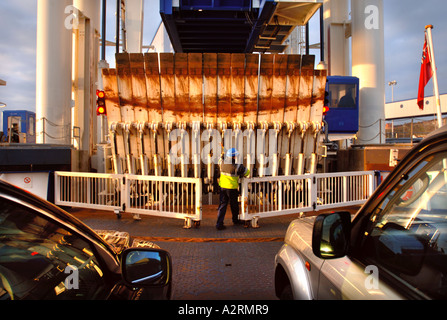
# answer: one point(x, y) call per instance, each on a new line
point(168, 197)
point(181, 198)
point(89, 190)
point(283, 195)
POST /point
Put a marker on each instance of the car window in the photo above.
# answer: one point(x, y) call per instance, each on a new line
point(41, 260)
point(407, 233)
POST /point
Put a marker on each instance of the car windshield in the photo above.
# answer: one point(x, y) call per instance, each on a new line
point(41, 260)
point(407, 234)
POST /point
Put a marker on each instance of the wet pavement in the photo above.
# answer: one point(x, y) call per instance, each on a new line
point(232, 264)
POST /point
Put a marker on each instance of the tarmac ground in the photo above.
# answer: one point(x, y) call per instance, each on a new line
point(208, 264)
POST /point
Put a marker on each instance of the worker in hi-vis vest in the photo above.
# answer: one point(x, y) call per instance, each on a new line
point(230, 172)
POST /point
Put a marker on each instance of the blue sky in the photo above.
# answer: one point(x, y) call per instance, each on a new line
point(404, 36)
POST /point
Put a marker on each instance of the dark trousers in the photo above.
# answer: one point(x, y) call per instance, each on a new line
point(228, 196)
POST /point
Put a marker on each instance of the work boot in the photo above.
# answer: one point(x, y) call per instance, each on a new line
point(221, 227)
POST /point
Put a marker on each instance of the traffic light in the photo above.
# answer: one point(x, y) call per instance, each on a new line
point(100, 103)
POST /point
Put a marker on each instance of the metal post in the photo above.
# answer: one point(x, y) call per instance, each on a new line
point(244, 202)
point(118, 24)
point(322, 33)
point(104, 29)
point(89, 191)
point(198, 200)
point(43, 131)
point(345, 189)
point(371, 184)
point(380, 130)
point(435, 75)
point(307, 39)
point(279, 198)
point(57, 187)
point(125, 193)
point(313, 192)
point(392, 84)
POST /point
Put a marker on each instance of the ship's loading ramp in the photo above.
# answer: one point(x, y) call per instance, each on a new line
point(175, 114)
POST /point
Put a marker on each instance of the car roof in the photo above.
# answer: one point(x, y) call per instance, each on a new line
point(439, 131)
point(25, 196)
point(435, 137)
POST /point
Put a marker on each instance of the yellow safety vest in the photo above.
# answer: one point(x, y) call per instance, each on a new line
point(230, 173)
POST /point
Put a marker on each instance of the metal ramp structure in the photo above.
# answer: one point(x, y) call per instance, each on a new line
point(176, 114)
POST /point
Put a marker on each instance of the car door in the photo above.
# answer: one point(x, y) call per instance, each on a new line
point(42, 259)
point(345, 279)
point(402, 246)
point(406, 233)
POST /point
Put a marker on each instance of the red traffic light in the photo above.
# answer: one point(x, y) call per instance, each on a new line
point(100, 103)
point(100, 94)
point(325, 110)
point(101, 111)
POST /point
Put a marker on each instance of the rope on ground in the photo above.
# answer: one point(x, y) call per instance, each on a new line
point(211, 240)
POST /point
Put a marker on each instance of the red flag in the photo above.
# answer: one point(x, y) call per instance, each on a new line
point(426, 74)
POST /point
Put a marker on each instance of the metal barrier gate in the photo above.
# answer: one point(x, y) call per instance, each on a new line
point(181, 198)
point(89, 190)
point(283, 195)
point(168, 197)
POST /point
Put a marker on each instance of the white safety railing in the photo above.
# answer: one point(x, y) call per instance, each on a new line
point(89, 190)
point(349, 189)
point(273, 196)
point(283, 195)
point(168, 197)
point(181, 198)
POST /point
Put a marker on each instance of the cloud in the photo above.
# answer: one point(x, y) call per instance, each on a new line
point(18, 53)
point(405, 23)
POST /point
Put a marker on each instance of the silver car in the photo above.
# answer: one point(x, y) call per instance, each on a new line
point(395, 247)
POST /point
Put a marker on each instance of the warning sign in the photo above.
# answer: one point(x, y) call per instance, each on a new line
point(28, 182)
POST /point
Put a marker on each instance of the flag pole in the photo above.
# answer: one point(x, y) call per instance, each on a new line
point(428, 29)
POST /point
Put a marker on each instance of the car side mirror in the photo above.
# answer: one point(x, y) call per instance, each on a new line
point(146, 267)
point(331, 235)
